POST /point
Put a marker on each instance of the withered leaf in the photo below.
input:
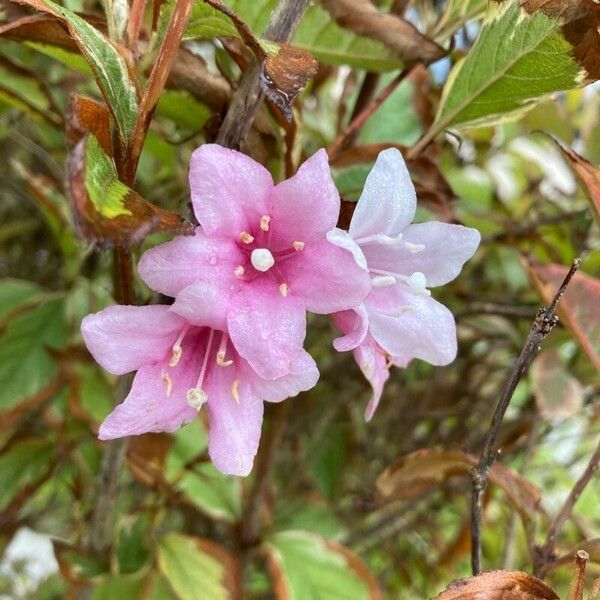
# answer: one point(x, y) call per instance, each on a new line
point(105, 209)
point(285, 72)
point(427, 469)
point(363, 18)
point(84, 116)
point(498, 585)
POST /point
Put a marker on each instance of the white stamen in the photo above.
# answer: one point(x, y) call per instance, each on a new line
point(196, 398)
point(235, 390)
point(246, 238)
point(262, 259)
point(223, 351)
point(418, 284)
point(283, 289)
point(383, 281)
point(264, 222)
point(414, 248)
point(298, 246)
point(168, 382)
point(176, 352)
point(239, 271)
point(379, 238)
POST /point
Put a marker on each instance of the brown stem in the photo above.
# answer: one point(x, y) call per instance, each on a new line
point(346, 137)
point(547, 552)
point(542, 325)
point(156, 83)
point(244, 104)
point(576, 587)
point(250, 527)
point(134, 24)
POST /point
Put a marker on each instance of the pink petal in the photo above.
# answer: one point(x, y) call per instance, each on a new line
point(148, 408)
point(302, 376)
point(122, 338)
point(306, 206)
point(373, 363)
point(355, 324)
point(326, 277)
point(266, 328)
point(438, 250)
point(388, 201)
point(408, 325)
point(234, 428)
point(230, 191)
point(174, 265)
point(203, 304)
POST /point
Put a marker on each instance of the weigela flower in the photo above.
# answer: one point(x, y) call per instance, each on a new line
point(260, 255)
point(182, 367)
point(399, 320)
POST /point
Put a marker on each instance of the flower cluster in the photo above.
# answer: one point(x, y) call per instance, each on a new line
point(262, 256)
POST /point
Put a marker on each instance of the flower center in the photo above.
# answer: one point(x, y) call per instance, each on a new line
point(262, 259)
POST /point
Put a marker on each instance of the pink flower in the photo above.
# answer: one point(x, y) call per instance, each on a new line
point(182, 366)
point(260, 255)
point(399, 320)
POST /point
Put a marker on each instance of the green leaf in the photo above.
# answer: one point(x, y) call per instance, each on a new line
point(25, 364)
point(182, 108)
point(456, 14)
point(195, 568)
point(118, 587)
point(132, 548)
point(517, 58)
point(24, 463)
point(109, 67)
point(311, 568)
point(14, 293)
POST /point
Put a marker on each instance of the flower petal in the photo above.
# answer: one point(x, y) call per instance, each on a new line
point(339, 237)
point(234, 428)
point(230, 191)
point(170, 267)
point(438, 250)
point(306, 206)
point(266, 328)
point(355, 324)
point(202, 304)
point(302, 376)
point(373, 363)
point(123, 338)
point(408, 326)
point(149, 407)
point(388, 201)
point(326, 277)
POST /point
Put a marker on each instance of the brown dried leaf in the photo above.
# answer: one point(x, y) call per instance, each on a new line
point(363, 18)
point(285, 73)
point(147, 457)
point(498, 585)
point(107, 211)
point(425, 470)
point(84, 116)
point(578, 308)
point(587, 173)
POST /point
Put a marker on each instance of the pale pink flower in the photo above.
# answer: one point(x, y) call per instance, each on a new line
point(260, 255)
point(399, 320)
point(182, 366)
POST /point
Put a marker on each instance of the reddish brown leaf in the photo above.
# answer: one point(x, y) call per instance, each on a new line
point(233, 573)
point(498, 585)
point(362, 17)
point(285, 73)
point(147, 457)
point(425, 470)
point(578, 309)
point(46, 29)
point(84, 116)
point(587, 173)
point(124, 218)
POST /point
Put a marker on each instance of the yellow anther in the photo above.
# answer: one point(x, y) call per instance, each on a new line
point(283, 289)
point(235, 390)
point(168, 383)
point(298, 246)
point(221, 360)
point(176, 352)
point(246, 238)
point(264, 222)
point(239, 271)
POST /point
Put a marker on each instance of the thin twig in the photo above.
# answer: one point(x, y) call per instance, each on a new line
point(346, 137)
point(547, 552)
point(134, 24)
point(576, 587)
point(244, 104)
point(542, 325)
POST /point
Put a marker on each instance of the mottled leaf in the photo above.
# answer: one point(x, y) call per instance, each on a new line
point(498, 585)
point(195, 566)
point(105, 209)
point(304, 566)
point(578, 308)
point(558, 394)
point(518, 57)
